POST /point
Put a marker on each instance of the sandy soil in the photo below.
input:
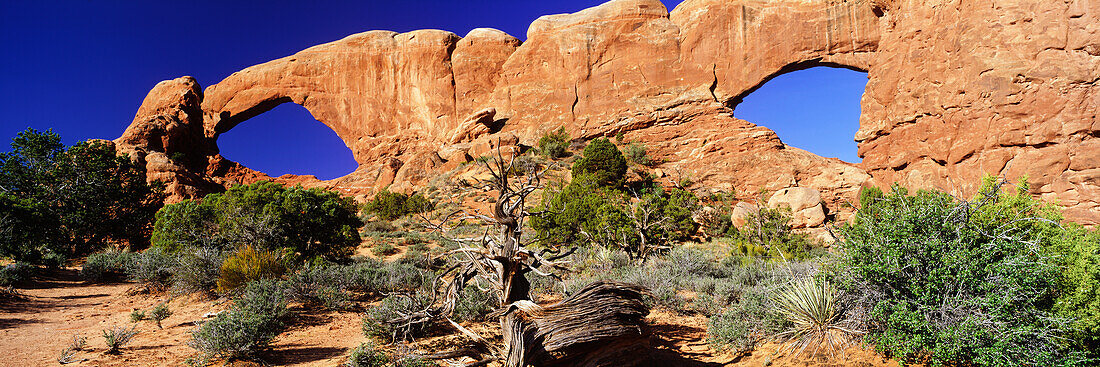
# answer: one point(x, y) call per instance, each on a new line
point(38, 325)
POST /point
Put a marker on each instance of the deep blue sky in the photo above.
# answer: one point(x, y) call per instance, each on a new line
point(82, 68)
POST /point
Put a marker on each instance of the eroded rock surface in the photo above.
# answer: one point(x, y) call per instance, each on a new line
point(957, 89)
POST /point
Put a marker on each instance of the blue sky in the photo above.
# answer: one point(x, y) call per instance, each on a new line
point(82, 68)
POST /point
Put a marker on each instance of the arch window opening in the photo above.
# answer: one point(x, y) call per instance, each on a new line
point(816, 109)
point(287, 139)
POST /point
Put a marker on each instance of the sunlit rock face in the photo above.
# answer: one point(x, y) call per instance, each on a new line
point(956, 90)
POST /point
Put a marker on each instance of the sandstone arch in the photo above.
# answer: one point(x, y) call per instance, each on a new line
point(947, 99)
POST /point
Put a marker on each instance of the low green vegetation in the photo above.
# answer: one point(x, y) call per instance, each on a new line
point(247, 327)
point(118, 337)
point(599, 207)
point(59, 202)
point(637, 153)
point(603, 162)
point(994, 281)
point(555, 144)
point(767, 234)
point(303, 224)
point(393, 205)
point(15, 273)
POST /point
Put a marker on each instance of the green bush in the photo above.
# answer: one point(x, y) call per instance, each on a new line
point(29, 230)
point(323, 284)
point(945, 281)
point(1079, 298)
point(15, 273)
point(473, 304)
point(137, 315)
point(367, 355)
point(246, 265)
point(603, 161)
point(393, 205)
point(99, 265)
point(384, 249)
point(185, 224)
point(554, 144)
point(159, 313)
point(392, 307)
point(197, 270)
point(150, 268)
point(307, 223)
point(70, 201)
point(767, 233)
point(116, 338)
point(245, 328)
point(637, 153)
point(583, 212)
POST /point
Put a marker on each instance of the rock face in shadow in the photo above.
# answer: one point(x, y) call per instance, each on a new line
point(957, 89)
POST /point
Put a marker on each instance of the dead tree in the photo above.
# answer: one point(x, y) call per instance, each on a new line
point(593, 327)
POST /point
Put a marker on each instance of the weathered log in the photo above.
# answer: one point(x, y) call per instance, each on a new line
point(600, 325)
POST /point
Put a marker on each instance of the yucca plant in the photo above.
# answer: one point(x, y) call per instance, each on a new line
point(811, 306)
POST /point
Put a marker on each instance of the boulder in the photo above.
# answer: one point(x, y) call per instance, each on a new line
point(804, 203)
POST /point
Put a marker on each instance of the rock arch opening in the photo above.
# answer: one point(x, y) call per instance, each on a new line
point(287, 139)
point(815, 107)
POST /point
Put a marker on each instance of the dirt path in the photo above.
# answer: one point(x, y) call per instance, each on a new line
point(38, 325)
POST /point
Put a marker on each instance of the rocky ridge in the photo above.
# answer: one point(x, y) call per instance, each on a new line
point(957, 89)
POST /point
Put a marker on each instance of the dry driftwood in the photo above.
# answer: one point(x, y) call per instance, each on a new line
point(600, 325)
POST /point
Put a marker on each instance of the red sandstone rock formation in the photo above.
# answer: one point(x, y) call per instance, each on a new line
point(957, 89)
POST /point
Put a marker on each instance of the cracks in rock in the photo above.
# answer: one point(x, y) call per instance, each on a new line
point(576, 99)
point(714, 83)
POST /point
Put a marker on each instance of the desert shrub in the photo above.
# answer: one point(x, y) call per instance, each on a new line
point(637, 153)
point(246, 327)
point(70, 201)
point(393, 205)
point(367, 355)
point(737, 296)
point(392, 307)
point(324, 284)
point(945, 281)
point(307, 223)
point(767, 234)
point(1079, 297)
point(77, 343)
point(117, 337)
point(98, 265)
point(384, 249)
point(603, 161)
point(15, 273)
point(750, 318)
point(378, 226)
point(246, 265)
point(411, 360)
point(197, 270)
point(584, 212)
point(184, 225)
point(473, 304)
point(554, 144)
point(159, 314)
point(137, 315)
point(150, 268)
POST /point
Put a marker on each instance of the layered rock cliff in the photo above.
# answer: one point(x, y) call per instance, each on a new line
point(957, 89)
